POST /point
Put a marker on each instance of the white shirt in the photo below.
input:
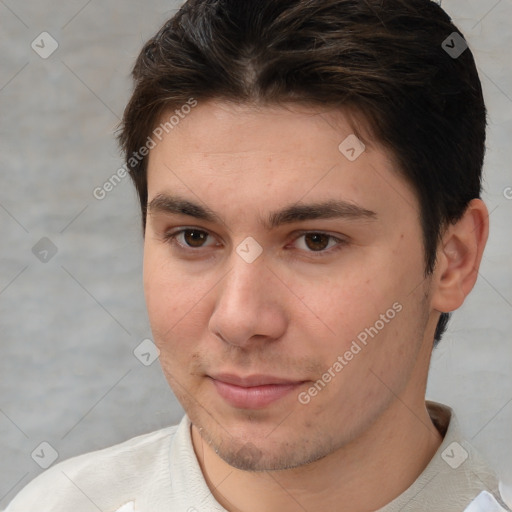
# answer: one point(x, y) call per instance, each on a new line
point(159, 472)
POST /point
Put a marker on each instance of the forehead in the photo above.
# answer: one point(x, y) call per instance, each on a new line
point(218, 127)
point(263, 155)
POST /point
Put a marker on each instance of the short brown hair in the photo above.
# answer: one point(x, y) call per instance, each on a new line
point(382, 58)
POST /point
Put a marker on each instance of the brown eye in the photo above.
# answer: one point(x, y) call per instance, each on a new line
point(187, 238)
point(317, 241)
point(194, 237)
point(318, 244)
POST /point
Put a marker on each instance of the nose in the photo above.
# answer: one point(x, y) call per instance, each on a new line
point(250, 305)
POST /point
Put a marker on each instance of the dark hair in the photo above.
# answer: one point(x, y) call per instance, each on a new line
point(383, 59)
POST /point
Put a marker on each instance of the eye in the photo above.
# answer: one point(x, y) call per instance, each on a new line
point(192, 238)
point(318, 242)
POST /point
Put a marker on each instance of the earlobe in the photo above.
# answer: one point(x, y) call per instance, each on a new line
point(459, 256)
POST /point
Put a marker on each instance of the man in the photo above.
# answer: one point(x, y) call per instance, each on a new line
point(303, 247)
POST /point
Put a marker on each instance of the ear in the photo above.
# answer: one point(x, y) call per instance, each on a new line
point(459, 256)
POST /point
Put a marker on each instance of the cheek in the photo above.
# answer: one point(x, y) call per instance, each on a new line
point(369, 303)
point(177, 302)
point(344, 306)
point(166, 288)
point(169, 296)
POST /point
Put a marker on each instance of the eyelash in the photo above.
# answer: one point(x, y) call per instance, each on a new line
point(170, 238)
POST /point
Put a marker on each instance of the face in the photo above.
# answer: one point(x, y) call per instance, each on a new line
point(284, 281)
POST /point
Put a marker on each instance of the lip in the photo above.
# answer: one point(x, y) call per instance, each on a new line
point(252, 380)
point(253, 392)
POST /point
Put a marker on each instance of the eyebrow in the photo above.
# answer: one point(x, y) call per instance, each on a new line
point(298, 212)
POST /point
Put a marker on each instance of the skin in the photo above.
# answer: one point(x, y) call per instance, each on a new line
point(366, 436)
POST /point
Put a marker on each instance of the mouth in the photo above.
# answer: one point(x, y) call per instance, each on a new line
point(253, 392)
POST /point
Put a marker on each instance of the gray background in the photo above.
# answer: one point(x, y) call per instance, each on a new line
point(68, 326)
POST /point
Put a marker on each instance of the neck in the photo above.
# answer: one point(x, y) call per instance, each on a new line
point(364, 475)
